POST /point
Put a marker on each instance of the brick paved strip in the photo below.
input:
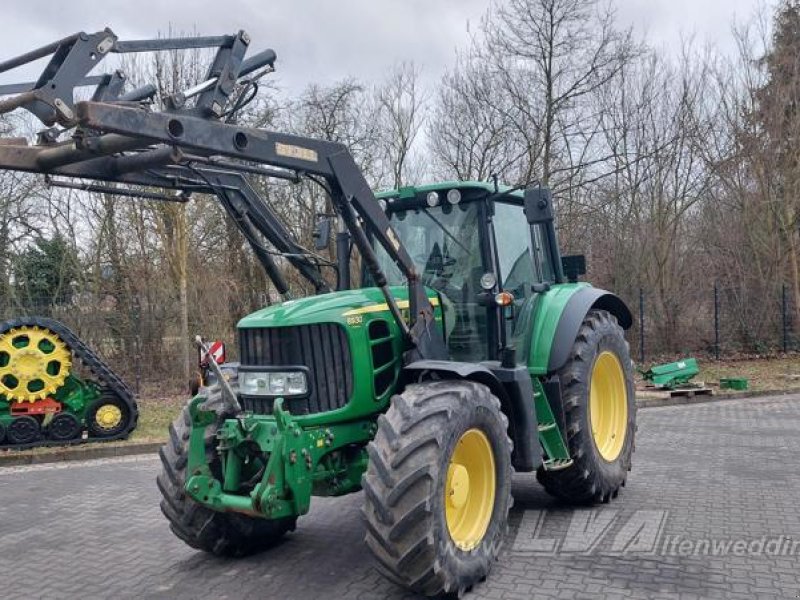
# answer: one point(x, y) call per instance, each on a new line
point(723, 472)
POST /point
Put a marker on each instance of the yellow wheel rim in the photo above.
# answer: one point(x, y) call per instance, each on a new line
point(608, 405)
point(470, 489)
point(108, 416)
point(34, 363)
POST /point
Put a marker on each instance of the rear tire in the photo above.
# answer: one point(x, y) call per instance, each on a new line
point(220, 533)
point(422, 536)
point(599, 469)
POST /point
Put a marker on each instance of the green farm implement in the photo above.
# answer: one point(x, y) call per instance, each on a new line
point(43, 400)
point(672, 375)
point(459, 354)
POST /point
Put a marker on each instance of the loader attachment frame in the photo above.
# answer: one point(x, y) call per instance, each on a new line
point(192, 144)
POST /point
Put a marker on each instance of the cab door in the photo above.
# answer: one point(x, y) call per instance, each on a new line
point(524, 266)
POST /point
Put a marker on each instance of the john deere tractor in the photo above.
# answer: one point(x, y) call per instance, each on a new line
point(44, 400)
point(462, 353)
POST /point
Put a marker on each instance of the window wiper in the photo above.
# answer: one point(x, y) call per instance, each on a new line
point(444, 229)
point(498, 195)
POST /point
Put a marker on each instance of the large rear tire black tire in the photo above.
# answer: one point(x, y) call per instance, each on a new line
point(220, 533)
point(593, 477)
point(407, 486)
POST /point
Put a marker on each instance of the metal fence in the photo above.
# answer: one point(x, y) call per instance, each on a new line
point(719, 322)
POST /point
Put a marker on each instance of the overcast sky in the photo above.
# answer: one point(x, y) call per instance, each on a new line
point(324, 40)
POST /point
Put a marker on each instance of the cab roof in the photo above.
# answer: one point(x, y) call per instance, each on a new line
point(412, 191)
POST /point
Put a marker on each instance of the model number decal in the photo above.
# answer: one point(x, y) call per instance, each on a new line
point(355, 320)
point(298, 152)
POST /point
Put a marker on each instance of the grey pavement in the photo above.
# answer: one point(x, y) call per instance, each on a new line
point(711, 510)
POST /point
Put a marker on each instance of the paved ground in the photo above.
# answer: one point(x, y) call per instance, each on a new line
point(712, 509)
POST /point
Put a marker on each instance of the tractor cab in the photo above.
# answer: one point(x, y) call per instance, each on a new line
point(474, 245)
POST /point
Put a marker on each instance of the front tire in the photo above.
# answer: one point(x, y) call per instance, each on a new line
point(438, 486)
point(220, 533)
point(600, 413)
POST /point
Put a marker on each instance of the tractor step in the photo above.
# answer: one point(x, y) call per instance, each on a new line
point(550, 437)
point(557, 464)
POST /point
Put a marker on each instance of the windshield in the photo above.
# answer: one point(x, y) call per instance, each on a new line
point(444, 243)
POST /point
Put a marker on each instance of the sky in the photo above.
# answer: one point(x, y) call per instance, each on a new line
point(325, 40)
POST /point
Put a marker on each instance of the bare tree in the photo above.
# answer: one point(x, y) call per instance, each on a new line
point(401, 104)
point(552, 56)
point(472, 132)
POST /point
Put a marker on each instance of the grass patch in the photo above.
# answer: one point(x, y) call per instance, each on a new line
point(777, 373)
point(764, 374)
point(155, 415)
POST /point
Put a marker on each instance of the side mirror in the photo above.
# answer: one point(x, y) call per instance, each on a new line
point(574, 266)
point(322, 232)
point(538, 205)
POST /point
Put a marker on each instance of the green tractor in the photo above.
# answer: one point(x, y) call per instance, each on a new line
point(462, 353)
point(538, 378)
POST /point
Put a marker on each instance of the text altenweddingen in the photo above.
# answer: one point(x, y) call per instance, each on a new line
point(677, 545)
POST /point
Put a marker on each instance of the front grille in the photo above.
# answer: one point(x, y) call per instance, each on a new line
point(383, 356)
point(322, 348)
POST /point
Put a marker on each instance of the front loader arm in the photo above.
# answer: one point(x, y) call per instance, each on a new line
point(195, 147)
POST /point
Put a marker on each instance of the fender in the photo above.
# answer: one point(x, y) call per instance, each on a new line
point(575, 310)
point(513, 388)
point(472, 371)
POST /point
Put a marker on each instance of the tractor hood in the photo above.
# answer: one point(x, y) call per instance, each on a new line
point(343, 307)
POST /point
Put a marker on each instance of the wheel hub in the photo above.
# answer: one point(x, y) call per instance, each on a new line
point(27, 364)
point(458, 485)
point(108, 416)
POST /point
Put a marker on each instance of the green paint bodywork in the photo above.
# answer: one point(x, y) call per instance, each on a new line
point(271, 465)
point(539, 330)
point(75, 395)
point(290, 462)
point(354, 310)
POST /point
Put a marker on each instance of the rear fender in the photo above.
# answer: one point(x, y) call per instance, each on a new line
point(572, 317)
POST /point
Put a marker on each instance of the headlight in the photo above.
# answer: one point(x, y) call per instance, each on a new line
point(273, 383)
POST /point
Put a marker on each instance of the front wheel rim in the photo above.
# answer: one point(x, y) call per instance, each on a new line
point(470, 489)
point(608, 405)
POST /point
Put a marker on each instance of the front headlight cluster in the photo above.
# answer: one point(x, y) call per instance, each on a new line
point(273, 383)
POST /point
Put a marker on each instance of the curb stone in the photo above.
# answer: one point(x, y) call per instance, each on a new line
point(94, 451)
point(84, 452)
point(702, 399)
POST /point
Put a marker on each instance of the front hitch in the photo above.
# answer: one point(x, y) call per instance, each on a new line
point(269, 465)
